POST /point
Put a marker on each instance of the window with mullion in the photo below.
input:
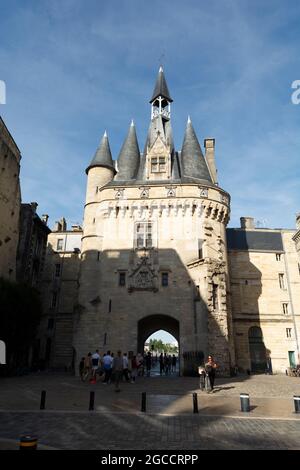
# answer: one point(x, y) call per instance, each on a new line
point(158, 165)
point(143, 235)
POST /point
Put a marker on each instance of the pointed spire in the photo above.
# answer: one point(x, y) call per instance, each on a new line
point(161, 87)
point(193, 161)
point(102, 156)
point(129, 157)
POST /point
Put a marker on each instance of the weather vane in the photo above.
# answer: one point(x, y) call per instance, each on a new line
point(161, 58)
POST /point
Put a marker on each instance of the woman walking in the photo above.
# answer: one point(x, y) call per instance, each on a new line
point(210, 370)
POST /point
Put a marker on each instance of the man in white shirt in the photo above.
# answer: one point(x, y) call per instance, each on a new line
point(95, 362)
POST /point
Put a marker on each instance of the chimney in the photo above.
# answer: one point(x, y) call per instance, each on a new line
point(34, 206)
point(57, 227)
point(247, 223)
point(45, 218)
point(209, 145)
point(63, 224)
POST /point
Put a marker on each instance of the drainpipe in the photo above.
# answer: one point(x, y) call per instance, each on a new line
point(53, 352)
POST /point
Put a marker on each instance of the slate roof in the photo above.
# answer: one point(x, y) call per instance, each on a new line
point(129, 157)
point(193, 161)
point(161, 87)
point(188, 166)
point(255, 240)
point(102, 156)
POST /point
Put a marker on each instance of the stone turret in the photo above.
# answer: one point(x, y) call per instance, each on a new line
point(101, 170)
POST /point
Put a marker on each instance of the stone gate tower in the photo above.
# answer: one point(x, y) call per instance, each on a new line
point(154, 245)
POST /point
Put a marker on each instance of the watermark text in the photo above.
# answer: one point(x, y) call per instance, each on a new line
point(2, 92)
point(296, 94)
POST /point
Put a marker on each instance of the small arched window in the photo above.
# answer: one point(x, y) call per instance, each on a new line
point(255, 332)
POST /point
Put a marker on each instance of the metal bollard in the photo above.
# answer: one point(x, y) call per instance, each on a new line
point(43, 400)
point(195, 402)
point(143, 407)
point(245, 402)
point(92, 401)
point(28, 443)
point(297, 403)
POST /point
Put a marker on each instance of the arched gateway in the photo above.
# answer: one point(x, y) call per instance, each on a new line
point(152, 323)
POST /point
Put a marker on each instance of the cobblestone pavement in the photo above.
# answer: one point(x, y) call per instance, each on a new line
point(65, 392)
point(169, 422)
point(99, 431)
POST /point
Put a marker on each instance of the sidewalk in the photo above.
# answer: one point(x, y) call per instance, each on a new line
point(270, 396)
point(110, 431)
point(168, 423)
point(212, 405)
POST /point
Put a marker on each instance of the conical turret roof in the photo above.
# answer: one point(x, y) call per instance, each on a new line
point(129, 157)
point(193, 161)
point(102, 156)
point(161, 87)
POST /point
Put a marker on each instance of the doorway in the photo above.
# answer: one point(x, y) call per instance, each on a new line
point(257, 349)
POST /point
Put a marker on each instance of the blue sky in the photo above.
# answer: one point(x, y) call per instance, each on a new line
point(74, 68)
point(164, 336)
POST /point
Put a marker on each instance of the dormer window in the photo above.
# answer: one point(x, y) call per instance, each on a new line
point(158, 165)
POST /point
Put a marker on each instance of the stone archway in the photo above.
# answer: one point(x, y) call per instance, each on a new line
point(149, 325)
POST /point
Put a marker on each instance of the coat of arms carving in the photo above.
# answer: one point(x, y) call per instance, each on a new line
point(143, 277)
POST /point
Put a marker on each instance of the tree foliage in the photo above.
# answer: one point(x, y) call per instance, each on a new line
point(160, 346)
point(20, 314)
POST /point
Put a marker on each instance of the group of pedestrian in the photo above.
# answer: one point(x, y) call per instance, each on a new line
point(113, 368)
point(167, 363)
point(120, 366)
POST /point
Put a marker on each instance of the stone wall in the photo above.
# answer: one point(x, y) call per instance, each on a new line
point(258, 300)
point(60, 298)
point(32, 245)
point(10, 200)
